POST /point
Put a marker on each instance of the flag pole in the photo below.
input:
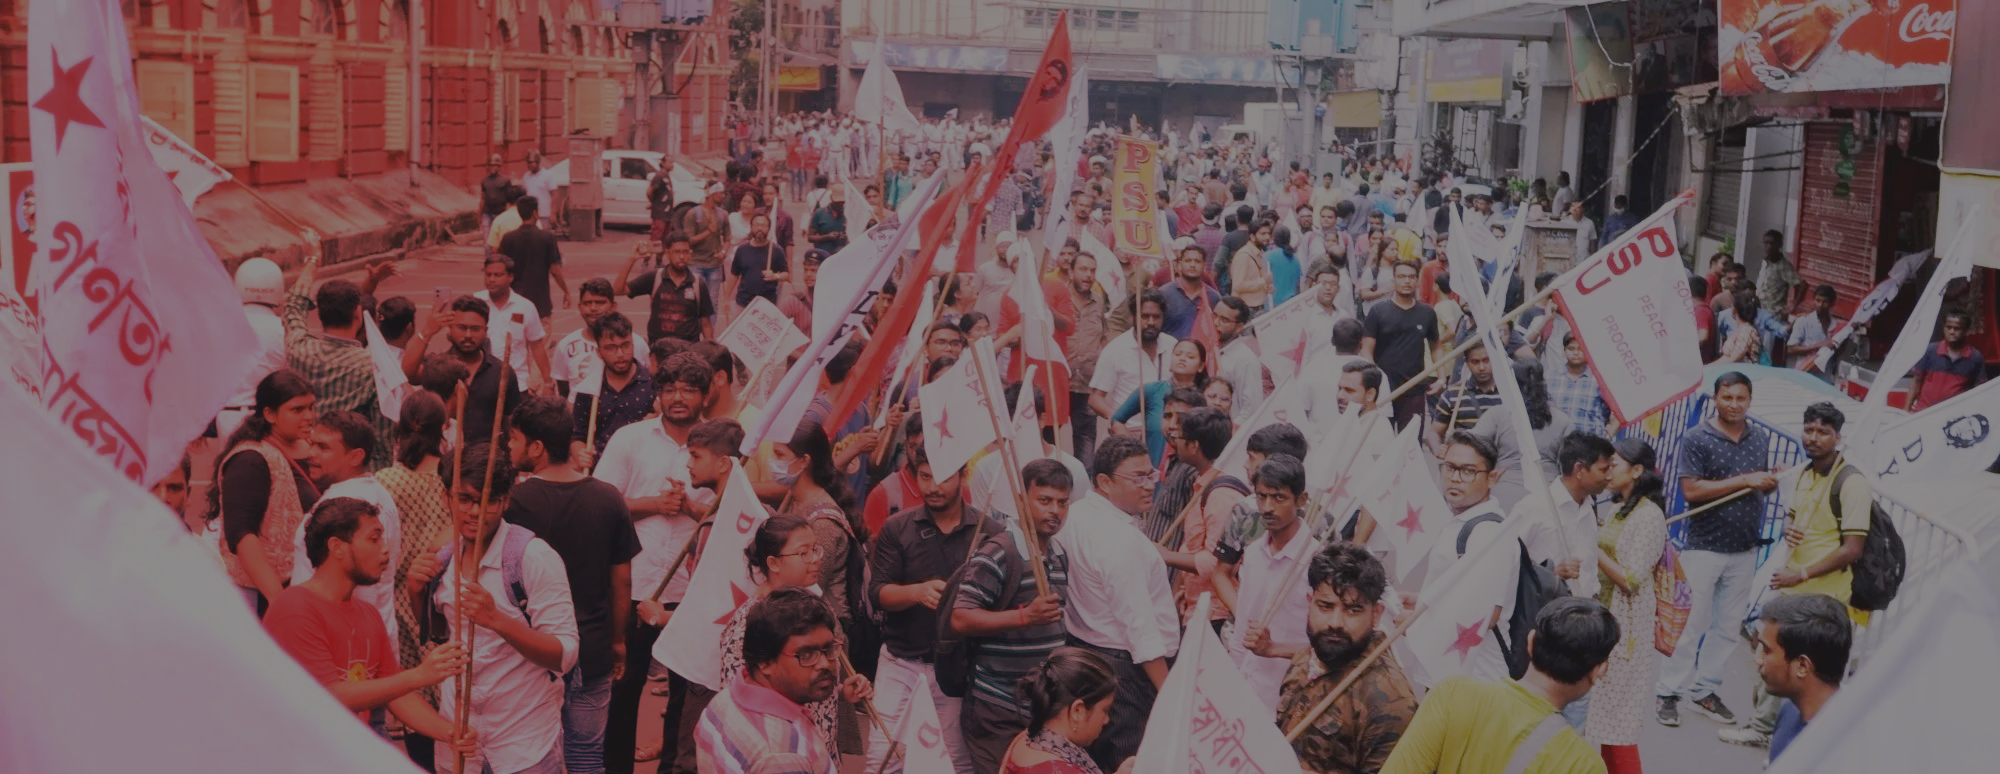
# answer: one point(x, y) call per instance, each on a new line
point(1292, 735)
point(1013, 478)
point(1683, 515)
point(478, 552)
point(687, 550)
point(1337, 505)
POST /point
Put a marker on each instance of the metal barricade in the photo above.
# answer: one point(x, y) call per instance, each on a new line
point(1929, 547)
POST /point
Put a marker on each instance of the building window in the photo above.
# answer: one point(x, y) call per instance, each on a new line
point(1033, 17)
point(166, 95)
point(1079, 18)
point(1107, 19)
point(1128, 21)
point(273, 117)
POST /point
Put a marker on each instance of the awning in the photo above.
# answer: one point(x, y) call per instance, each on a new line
point(1354, 109)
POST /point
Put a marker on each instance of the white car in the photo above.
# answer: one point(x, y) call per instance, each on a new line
point(624, 177)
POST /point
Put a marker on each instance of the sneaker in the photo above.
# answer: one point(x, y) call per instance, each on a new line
point(1710, 706)
point(1744, 736)
point(1670, 713)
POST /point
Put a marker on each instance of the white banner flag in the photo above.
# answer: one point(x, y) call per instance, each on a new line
point(923, 736)
point(759, 334)
point(691, 644)
point(136, 358)
point(82, 589)
point(1633, 316)
point(1286, 405)
point(391, 384)
point(1207, 717)
point(1958, 437)
point(1456, 635)
point(1408, 509)
point(958, 420)
point(1911, 344)
point(1286, 338)
point(1067, 138)
point(1110, 273)
point(879, 98)
point(191, 172)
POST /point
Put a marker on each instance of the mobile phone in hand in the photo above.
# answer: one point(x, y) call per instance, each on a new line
point(441, 296)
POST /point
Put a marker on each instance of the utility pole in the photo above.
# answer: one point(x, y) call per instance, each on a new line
point(768, 104)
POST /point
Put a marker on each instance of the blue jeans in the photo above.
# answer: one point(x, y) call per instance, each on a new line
point(712, 277)
point(1721, 586)
point(586, 710)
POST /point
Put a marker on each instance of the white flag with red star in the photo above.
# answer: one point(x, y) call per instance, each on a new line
point(135, 357)
point(1456, 634)
point(1285, 405)
point(1408, 509)
point(1208, 718)
point(691, 644)
point(1287, 338)
point(958, 420)
point(923, 736)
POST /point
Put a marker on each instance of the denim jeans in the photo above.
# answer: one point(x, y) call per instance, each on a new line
point(1083, 423)
point(1721, 590)
point(711, 276)
point(895, 681)
point(586, 709)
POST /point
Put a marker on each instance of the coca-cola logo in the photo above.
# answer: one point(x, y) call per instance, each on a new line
point(1922, 23)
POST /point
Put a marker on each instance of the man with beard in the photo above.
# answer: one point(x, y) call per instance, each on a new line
point(758, 723)
point(682, 307)
point(586, 522)
point(915, 552)
point(1134, 358)
point(574, 360)
point(1459, 406)
point(464, 324)
point(1250, 271)
point(796, 300)
point(758, 267)
point(1239, 362)
point(341, 640)
point(1357, 732)
point(338, 460)
point(1120, 604)
point(1262, 648)
point(515, 325)
point(625, 390)
point(518, 596)
point(1188, 293)
point(1086, 342)
point(1010, 626)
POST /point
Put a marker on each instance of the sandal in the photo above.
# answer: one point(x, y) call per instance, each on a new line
point(648, 753)
point(660, 690)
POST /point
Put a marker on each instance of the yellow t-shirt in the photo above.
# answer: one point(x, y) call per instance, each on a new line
point(1468, 726)
point(1812, 508)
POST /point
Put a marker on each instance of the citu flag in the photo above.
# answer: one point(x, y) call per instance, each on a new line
point(932, 226)
point(1041, 106)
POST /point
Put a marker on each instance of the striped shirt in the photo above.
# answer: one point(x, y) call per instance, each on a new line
point(1001, 660)
point(1461, 404)
point(750, 728)
point(340, 372)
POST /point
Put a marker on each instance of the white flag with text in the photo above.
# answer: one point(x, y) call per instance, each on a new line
point(1633, 315)
point(1207, 717)
point(191, 172)
point(691, 644)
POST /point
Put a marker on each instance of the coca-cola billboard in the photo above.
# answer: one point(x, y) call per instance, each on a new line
point(1834, 45)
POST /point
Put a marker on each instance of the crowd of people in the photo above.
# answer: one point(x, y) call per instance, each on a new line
point(586, 470)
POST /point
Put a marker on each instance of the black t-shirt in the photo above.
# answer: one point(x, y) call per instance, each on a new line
point(1400, 337)
point(587, 524)
point(748, 264)
point(678, 307)
point(482, 391)
point(534, 252)
point(493, 198)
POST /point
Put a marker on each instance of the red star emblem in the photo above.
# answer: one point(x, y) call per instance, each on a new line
point(64, 99)
point(1297, 354)
point(1413, 523)
point(943, 424)
point(1469, 637)
point(1340, 487)
point(737, 597)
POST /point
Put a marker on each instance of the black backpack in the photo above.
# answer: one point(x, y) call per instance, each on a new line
point(864, 633)
point(1878, 574)
point(1534, 588)
point(953, 657)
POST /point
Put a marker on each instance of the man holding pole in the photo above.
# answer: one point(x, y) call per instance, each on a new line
point(915, 552)
point(1267, 579)
point(1356, 732)
point(518, 598)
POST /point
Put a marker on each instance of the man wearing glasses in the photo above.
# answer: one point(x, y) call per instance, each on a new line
point(1120, 604)
point(917, 551)
point(759, 721)
point(1468, 473)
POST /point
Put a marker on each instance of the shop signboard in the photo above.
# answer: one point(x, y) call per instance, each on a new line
point(1834, 45)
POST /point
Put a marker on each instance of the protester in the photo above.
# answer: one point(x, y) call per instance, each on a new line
point(1469, 725)
point(1362, 726)
point(915, 551)
point(1120, 606)
point(1004, 617)
point(1238, 363)
point(819, 496)
point(1132, 359)
point(335, 361)
point(1576, 393)
point(1086, 344)
point(1951, 368)
point(784, 554)
point(683, 306)
point(1397, 334)
point(1801, 650)
point(423, 506)
point(1721, 456)
point(1547, 429)
point(1250, 271)
point(337, 457)
point(519, 598)
point(759, 721)
point(260, 284)
point(1179, 390)
point(537, 261)
point(1204, 434)
point(1461, 405)
point(1187, 293)
point(1468, 471)
point(1563, 539)
point(1812, 332)
point(341, 641)
point(1263, 647)
point(514, 325)
point(757, 266)
point(570, 359)
point(624, 391)
point(261, 494)
point(1629, 544)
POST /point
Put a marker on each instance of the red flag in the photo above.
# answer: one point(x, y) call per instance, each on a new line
point(1204, 329)
point(932, 227)
point(1041, 106)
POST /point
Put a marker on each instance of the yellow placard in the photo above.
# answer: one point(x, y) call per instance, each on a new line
point(1134, 176)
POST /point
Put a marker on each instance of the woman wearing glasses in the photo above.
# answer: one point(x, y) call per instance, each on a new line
point(819, 496)
point(785, 553)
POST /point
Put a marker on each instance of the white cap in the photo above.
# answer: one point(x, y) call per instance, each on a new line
point(713, 189)
point(1005, 237)
point(981, 149)
point(259, 281)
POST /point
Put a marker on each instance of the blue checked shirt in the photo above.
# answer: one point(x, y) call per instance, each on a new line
point(1579, 397)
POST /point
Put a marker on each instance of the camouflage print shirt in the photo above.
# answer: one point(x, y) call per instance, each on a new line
point(1355, 735)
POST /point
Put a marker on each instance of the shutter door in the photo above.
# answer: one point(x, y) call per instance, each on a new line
point(274, 113)
point(1725, 193)
point(611, 97)
point(166, 95)
point(1837, 235)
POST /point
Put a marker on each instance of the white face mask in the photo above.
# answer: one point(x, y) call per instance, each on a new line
point(787, 478)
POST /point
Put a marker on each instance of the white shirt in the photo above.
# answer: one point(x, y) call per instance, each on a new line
point(515, 321)
point(1574, 527)
point(269, 357)
point(382, 595)
point(575, 359)
point(1322, 383)
point(1119, 597)
point(1245, 372)
point(516, 705)
point(989, 491)
point(1120, 363)
point(542, 186)
point(1259, 575)
point(640, 460)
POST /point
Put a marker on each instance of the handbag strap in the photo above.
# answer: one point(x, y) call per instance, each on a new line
point(1525, 752)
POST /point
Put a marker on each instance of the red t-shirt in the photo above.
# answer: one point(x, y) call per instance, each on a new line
point(334, 641)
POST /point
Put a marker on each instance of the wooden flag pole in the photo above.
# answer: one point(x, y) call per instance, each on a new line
point(1711, 504)
point(1013, 478)
point(1292, 734)
point(1338, 505)
point(478, 552)
point(1461, 349)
